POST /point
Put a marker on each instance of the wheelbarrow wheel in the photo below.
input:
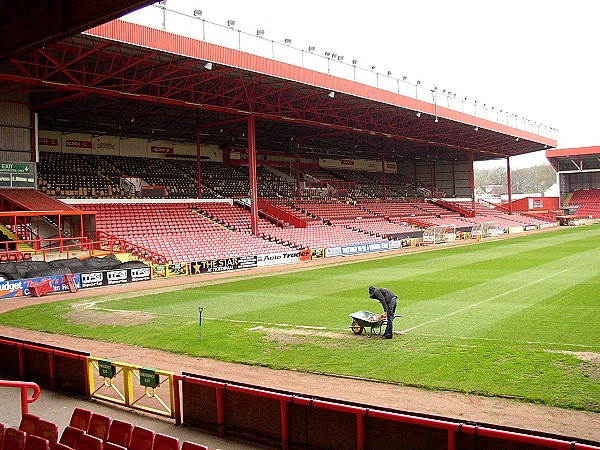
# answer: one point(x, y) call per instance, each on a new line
point(357, 328)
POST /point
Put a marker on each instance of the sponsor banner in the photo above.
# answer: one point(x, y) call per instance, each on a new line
point(140, 274)
point(273, 259)
point(395, 245)
point(332, 252)
point(170, 270)
point(112, 277)
point(20, 288)
point(118, 276)
point(48, 142)
point(535, 203)
point(93, 279)
point(365, 248)
point(317, 252)
point(529, 228)
point(222, 265)
point(164, 150)
point(78, 144)
point(347, 162)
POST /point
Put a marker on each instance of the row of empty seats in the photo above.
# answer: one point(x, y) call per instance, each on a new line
point(587, 202)
point(87, 431)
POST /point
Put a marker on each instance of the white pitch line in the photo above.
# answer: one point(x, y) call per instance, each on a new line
point(287, 325)
point(483, 301)
point(468, 338)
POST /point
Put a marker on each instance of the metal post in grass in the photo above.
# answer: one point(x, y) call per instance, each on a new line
point(200, 321)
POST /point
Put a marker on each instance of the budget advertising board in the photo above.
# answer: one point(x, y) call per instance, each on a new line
point(20, 288)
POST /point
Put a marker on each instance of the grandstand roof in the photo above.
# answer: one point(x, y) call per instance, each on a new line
point(33, 23)
point(127, 80)
point(578, 159)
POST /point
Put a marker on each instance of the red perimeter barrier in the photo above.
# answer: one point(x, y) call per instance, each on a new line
point(368, 423)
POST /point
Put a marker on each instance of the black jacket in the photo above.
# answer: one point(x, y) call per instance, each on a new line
point(386, 297)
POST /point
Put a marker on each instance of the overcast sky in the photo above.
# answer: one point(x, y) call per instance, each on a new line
point(537, 59)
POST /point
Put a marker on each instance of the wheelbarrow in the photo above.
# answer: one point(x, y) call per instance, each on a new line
point(369, 322)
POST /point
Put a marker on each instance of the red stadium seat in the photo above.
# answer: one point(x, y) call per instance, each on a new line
point(187, 445)
point(89, 442)
point(60, 446)
point(99, 426)
point(2, 429)
point(14, 439)
point(165, 442)
point(29, 423)
point(47, 430)
point(113, 446)
point(80, 418)
point(33, 442)
point(141, 439)
point(70, 436)
point(120, 433)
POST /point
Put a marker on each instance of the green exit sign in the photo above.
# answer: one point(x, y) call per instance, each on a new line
point(148, 377)
point(14, 168)
point(106, 369)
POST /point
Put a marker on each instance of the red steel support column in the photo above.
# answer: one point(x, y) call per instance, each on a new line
point(471, 158)
point(453, 179)
point(220, 411)
point(177, 395)
point(298, 189)
point(252, 172)
point(198, 164)
point(360, 432)
point(284, 424)
point(509, 185)
point(383, 174)
point(432, 175)
point(33, 135)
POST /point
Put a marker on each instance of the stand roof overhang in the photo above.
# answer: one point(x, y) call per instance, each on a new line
point(126, 80)
point(573, 160)
point(33, 23)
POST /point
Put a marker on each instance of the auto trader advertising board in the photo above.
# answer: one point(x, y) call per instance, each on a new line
point(273, 259)
point(20, 288)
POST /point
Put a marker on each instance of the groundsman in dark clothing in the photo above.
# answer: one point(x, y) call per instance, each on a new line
point(388, 300)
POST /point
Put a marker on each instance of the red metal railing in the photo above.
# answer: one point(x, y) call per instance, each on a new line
point(24, 386)
point(113, 244)
point(280, 214)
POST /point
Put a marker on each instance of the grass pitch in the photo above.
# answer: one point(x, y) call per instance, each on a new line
point(517, 318)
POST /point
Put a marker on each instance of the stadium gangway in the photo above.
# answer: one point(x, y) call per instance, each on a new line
point(24, 386)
